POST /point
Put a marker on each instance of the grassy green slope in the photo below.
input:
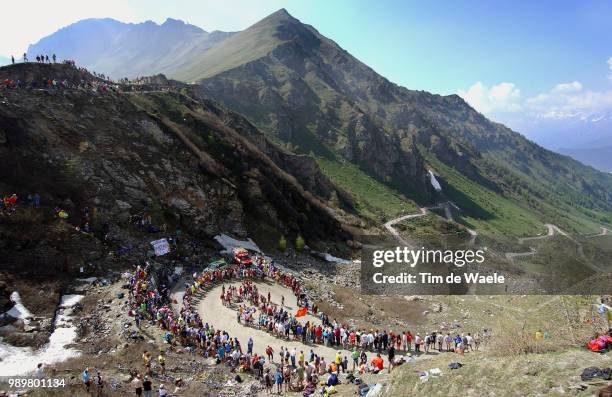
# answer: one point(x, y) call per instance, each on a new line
point(239, 49)
point(483, 209)
point(491, 212)
point(374, 199)
point(556, 203)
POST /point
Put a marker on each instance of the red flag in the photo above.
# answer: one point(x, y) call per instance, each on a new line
point(301, 312)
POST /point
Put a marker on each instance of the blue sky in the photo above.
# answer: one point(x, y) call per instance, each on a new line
point(499, 55)
point(447, 46)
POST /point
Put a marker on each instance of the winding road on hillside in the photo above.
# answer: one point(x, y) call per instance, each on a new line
point(389, 225)
point(551, 231)
point(604, 232)
point(446, 206)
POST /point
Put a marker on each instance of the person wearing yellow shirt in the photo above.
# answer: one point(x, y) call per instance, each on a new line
point(162, 362)
point(539, 335)
point(146, 359)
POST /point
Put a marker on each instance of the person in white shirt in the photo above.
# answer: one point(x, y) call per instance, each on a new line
point(439, 341)
point(604, 310)
point(292, 356)
point(448, 340)
point(469, 340)
point(40, 371)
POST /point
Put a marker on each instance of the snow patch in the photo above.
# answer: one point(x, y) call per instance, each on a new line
point(335, 259)
point(434, 182)
point(229, 243)
point(70, 300)
point(18, 310)
point(88, 280)
point(23, 360)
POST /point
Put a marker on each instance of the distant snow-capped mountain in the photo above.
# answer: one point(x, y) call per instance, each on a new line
point(586, 138)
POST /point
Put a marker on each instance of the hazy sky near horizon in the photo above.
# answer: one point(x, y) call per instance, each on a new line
point(506, 58)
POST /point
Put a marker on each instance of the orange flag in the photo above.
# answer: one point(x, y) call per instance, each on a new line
point(301, 312)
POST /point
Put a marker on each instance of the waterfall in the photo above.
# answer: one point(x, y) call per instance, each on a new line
point(434, 182)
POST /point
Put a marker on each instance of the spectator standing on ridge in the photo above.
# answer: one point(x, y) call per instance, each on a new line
point(54, 58)
point(25, 57)
point(268, 381)
point(86, 379)
point(391, 354)
point(278, 379)
point(40, 371)
point(137, 383)
point(99, 384)
point(12, 59)
point(147, 387)
point(162, 362)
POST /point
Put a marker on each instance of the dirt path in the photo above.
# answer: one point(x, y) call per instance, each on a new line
point(552, 230)
point(532, 251)
point(389, 225)
point(224, 318)
point(423, 211)
point(511, 255)
point(604, 232)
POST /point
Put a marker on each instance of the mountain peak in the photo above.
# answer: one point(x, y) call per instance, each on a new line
point(279, 16)
point(282, 12)
point(172, 23)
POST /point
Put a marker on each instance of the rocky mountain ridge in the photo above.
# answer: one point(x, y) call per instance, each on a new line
point(186, 164)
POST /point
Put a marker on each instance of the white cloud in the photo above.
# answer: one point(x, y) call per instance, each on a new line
point(567, 103)
point(569, 100)
point(563, 101)
point(574, 86)
point(500, 98)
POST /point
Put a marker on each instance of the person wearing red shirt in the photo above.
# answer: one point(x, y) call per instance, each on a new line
point(409, 340)
point(319, 333)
